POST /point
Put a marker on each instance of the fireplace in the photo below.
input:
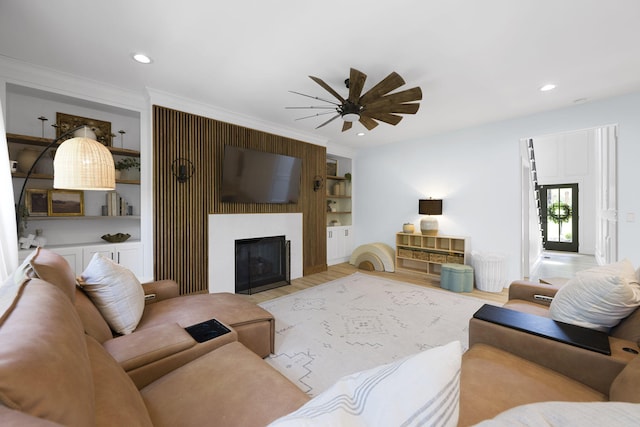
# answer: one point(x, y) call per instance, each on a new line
point(262, 263)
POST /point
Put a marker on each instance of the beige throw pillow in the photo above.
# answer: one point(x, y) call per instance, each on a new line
point(598, 298)
point(115, 291)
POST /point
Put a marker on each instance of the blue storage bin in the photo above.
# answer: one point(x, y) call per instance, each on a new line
point(456, 277)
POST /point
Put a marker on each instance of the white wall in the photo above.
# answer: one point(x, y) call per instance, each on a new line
point(569, 158)
point(477, 173)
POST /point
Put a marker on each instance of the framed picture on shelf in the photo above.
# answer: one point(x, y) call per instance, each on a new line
point(66, 203)
point(332, 167)
point(67, 122)
point(37, 202)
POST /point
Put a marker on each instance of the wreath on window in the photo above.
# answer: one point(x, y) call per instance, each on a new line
point(559, 212)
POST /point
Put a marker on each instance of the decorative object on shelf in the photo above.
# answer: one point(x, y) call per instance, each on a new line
point(183, 169)
point(40, 240)
point(318, 182)
point(332, 167)
point(429, 207)
point(121, 132)
point(80, 164)
point(101, 128)
point(13, 164)
point(127, 165)
point(329, 207)
point(42, 119)
point(66, 203)
point(37, 202)
point(27, 158)
point(407, 227)
point(116, 238)
point(334, 223)
point(347, 190)
point(377, 104)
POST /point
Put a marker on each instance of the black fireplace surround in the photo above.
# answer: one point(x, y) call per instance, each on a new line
point(262, 263)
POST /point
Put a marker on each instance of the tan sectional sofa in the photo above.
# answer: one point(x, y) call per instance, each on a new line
point(60, 365)
point(53, 373)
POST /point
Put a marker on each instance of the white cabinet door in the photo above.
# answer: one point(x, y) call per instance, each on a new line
point(332, 244)
point(339, 244)
point(72, 254)
point(106, 251)
point(129, 255)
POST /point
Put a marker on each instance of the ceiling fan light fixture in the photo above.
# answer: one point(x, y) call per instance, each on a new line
point(351, 117)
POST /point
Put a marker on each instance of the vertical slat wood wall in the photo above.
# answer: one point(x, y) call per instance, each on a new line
point(181, 209)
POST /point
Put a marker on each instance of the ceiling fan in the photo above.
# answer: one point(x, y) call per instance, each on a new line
point(377, 104)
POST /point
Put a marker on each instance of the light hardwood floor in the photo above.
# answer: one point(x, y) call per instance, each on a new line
point(342, 270)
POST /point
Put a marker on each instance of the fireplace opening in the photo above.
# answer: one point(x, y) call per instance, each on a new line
point(262, 263)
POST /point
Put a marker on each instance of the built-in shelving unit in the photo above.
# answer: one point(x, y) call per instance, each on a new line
point(339, 209)
point(425, 254)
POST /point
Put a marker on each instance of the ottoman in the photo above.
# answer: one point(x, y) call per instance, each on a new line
point(456, 277)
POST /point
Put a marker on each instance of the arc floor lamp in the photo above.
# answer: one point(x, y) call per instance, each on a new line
point(80, 163)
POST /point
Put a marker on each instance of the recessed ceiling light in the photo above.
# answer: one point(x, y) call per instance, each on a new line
point(547, 87)
point(142, 58)
point(360, 134)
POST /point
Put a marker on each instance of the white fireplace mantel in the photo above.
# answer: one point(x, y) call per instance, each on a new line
point(225, 229)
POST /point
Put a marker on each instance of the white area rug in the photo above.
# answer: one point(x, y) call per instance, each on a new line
point(359, 322)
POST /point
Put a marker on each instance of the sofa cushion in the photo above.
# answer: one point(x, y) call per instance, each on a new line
point(422, 389)
point(562, 414)
point(44, 364)
point(53, 268)
point(115, 291)
point(229, 386)
point(94, 323)
point(598, 298)
point(118, 401)
point(492, 378)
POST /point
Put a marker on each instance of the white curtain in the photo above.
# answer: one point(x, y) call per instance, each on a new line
point(8, 232)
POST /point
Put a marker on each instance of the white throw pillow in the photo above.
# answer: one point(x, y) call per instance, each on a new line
point(564, 414)
point(422, 389)
point(115, 291)
point(598, 298)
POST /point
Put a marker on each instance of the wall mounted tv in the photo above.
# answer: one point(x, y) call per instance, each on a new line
point(251, 176)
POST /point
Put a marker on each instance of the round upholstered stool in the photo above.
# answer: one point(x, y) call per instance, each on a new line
point(456, 277)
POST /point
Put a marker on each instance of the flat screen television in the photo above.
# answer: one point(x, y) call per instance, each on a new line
point(251, 176)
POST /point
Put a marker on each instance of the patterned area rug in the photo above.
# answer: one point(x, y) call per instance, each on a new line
point(359, 322)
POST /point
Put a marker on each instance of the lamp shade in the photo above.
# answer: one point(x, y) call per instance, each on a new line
point(430, 206)
point(83, 164)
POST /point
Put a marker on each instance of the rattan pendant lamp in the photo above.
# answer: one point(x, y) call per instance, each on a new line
point(80, 163)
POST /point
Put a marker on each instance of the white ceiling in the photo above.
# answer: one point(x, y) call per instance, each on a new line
point(476, 61)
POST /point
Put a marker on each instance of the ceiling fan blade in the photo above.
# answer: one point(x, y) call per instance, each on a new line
point(356, 83)
point(314, 115)
point(346, 126)
point(394, 108)
point(367, 122)
point(392, 119)
point(392, 82)
point(315, 97)
point(329, 121)
point(327, 88)
point(312, 107)
point(409, 95)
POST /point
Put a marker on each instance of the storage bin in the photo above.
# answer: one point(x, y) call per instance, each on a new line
point(490, 271)
point(456, 277)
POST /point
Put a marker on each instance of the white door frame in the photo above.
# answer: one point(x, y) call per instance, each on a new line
point(606, 202)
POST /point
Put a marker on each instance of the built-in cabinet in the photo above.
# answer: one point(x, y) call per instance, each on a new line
point(127, 254)
point(339, 209)
point(339, 244)
point(424, 254)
